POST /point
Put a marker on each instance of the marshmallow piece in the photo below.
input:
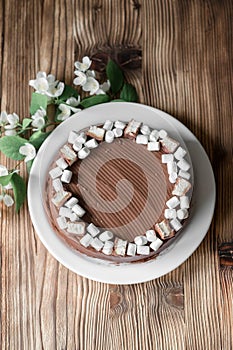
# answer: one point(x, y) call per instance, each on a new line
point(109, 136)
point(182, 214)
point(184, 202)
point(162, 134)
point(96, 132)
point(57, 185)
point(154, 135)
point(83, 153)
point(132, 129)
point(184, 174)
point(181, 187)
point(66, 176)
point(93, 230)
point(151, 235)
point(169, 144)
point(67, 213)
point(145, 130)
point(140, 240)
point(180, 153)
point(108, 248)
point(97, 244)
point(68, 154)
point(78, 210)
point(71, 202)
point(77, 146)
point(143, 250)
point(86, 240)
point(72, 137)
point(92, 143)
point(142, 139)
point(156, 244)
point(170, 213)
point(183, 165)
point(166, 158)
point(108, 125)
point(61, 163)
point(118, 132)
point(76, 228)
point(175, 224)
point(62, 223)
point(131, 250)
point(172, 177)
point(81, 138)
point(120, 246)
point(171, 167)
point(60, 198)
point(164, 229)
point(119, 125)
point(153, 146)
point(173, 202)
point(106, 236)
point(55, 172)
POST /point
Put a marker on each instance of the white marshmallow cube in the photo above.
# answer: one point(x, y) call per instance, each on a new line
point(182, 214)
point(120, 246)
point(77, 209)
point(57, 185)
point(140, 240)
point(93, 230)
point(118, 132)
point(171, 167)
point(166, 158)
point(72, 137)
point(68, 153)
point(184, 202)
point(172, 177)
point(109, 136)
point(67, 213)
point(77, 146)
point(106, 236)
point(61, 163)
point(183, 165)
point(108, 125)
point(145, 130)
point(71, 202)
point(184, 174)
point(175, 224)
point(92, 143)
point(120, 125)
point(156, 244)
point(76, 228)
point(62, 223)
point(170, 213)
point(142, 139)
point(86, 240)
point(153, 146)
point(173, 202)
point(97, 244)
point(131, 250)
point(181, 187)
point(81, 138)
point(55, 172)
point(151, 235)
point(66, 176)
point(108, 247)
point(154, 135)
point(169, 144)
point(83, 153)
point(143, 250)
point(60, 198)
point(179, 153)
point(162, 134)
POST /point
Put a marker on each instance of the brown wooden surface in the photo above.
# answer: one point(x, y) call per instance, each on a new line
point(182, 58)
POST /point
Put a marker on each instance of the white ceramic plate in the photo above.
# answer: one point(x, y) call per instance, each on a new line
point(203, 199)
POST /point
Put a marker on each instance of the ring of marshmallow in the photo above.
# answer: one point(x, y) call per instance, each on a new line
point(70, 213)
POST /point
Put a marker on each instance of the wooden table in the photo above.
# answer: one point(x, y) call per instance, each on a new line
point(179, 55)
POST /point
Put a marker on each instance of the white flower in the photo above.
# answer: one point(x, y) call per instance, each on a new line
point(10, 132)
point(28, 150)
point(47, 85)
point(3, 118)
point(41, 112)
point(8, 200)
point(13, 120)
point(92, 85)
point(38, 119)
point(81, 78)
point(4, 172)
point(84, 65)
point(103, 88)
point(72, 101)
point(66, 111)
point(90, 73)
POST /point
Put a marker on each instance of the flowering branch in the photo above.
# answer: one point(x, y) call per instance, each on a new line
point(21, 141)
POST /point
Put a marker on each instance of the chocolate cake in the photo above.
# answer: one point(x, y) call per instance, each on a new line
point(119, 191)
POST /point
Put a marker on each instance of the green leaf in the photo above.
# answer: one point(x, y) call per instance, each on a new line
point(68, 92)
point(19, 189)
point(94, 100)
point(9, 145)
point(26, 122)
point(129, 93)
point(38, 138)
point(4, 180)
point(115, 76)
point(38, 101)
point(118, 100)
point(29, 165)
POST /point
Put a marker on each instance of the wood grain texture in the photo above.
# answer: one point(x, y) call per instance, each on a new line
point(179, 56)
